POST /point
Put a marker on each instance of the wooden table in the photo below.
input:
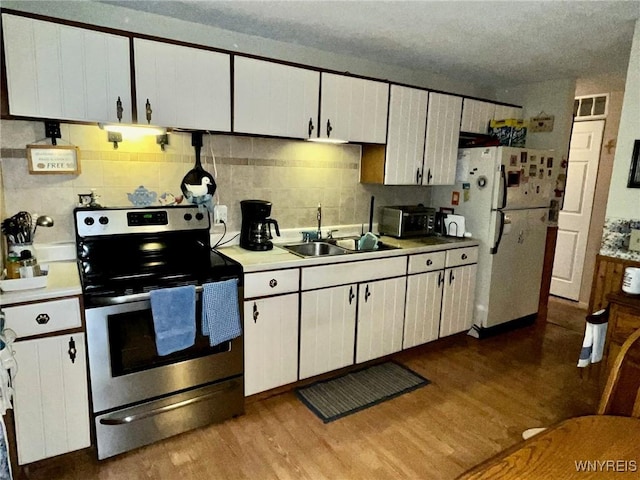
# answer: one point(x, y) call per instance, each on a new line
point(562, 452)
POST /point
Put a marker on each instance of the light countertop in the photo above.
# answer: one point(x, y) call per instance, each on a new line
point(62, 281)
point(279, 258)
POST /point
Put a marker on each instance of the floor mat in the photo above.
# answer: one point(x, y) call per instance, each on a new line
point(355, 391)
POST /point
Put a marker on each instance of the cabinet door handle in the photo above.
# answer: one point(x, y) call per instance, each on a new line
point(329, 128)
point(43, 319)
point(256, 313)
point(440, 279)
point(273, 283)
point(367, 293)
point(429, 176)
point(72, 350)
point(311, 127)
point(119, 109)
point(451, 277)
point(418, 176)
point(464, 256)
point(429, 262)
point(148, 111)
point(351, 295)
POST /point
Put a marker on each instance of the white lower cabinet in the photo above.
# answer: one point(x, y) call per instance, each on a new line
point(440, 294)
point(51, 397)
point(380, 318)
point(329, 315)
point(270, 342)
point(458, 295)
point(422, 309)
point(327, 329)
point(457, 299)
point(271, 301)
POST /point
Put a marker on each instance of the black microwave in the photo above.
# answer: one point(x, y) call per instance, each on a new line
point(407, 221)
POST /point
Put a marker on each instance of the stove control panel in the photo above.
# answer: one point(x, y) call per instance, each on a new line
point(92, 222)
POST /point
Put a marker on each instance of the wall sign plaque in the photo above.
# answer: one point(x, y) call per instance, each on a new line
point(56, 159)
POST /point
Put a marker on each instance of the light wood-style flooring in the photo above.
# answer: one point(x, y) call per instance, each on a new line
point(567, 313)
point(484, 393)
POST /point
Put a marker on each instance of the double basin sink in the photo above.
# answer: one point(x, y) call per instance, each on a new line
point(343, 246)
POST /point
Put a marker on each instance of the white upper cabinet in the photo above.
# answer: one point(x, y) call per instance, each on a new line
point(405, 135)
point(504, 112)
point(185, 87)
point(275, 99)
point(62, 72)
point(476, 116)
point(441, 145)
point(353, 109)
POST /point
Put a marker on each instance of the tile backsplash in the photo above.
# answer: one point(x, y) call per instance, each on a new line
point(294, 175)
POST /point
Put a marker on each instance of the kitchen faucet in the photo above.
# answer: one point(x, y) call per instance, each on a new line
point(319, 216)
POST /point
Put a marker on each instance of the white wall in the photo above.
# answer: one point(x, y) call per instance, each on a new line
point(625, 202)
point(553, 97)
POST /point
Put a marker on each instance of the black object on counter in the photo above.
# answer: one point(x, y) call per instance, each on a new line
point(255, 233)
point(371, 213)
point(197, 182)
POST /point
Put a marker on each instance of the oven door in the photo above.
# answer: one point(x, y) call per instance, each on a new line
point(124, 366)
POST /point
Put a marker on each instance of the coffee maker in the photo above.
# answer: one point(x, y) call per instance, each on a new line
point(255, 233)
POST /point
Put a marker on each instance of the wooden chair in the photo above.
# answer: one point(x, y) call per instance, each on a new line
point(621, 394)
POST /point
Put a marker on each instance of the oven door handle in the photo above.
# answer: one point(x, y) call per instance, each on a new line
point(127, 419)
point(134, 297)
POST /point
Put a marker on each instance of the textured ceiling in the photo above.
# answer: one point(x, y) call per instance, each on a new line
point(497, 43)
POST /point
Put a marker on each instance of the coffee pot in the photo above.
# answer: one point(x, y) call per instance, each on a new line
point(255, 233)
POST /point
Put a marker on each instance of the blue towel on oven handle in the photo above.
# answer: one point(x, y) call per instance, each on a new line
point(220, 311)
point(174, 318)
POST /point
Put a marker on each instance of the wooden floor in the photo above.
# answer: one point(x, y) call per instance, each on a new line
point(567, 314)
point(484, 393)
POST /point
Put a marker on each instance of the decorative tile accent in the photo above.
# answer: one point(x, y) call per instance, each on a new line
point(615, 238)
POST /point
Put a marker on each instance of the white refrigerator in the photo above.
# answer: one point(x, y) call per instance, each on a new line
point(504, 194)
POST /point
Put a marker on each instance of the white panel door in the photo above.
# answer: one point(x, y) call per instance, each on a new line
point(63, 72)
point(353, 109)
point(422, 310)
point(51, 397)
point(186, 87)
point(405, 135)
point(443, 133)
point(270, 343)
point(476, 116)
point(380, 318)
point(275, 99)
point(575, 216)
point(458, 299)
point(327, 329)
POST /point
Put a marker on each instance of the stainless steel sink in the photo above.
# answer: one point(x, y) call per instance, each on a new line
point(351, 244)
point(315, 249)
point(334, 246)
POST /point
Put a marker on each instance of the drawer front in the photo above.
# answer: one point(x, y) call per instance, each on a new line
point(462, 256)
point(625, 321)
point(270, 283)
point(352, 272)
point(44, 317)
point(427, 262)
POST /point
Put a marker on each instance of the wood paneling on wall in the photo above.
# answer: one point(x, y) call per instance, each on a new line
point(607, 278)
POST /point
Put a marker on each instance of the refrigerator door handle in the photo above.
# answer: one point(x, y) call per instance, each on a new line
point(494, 250)
point(503, 183)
